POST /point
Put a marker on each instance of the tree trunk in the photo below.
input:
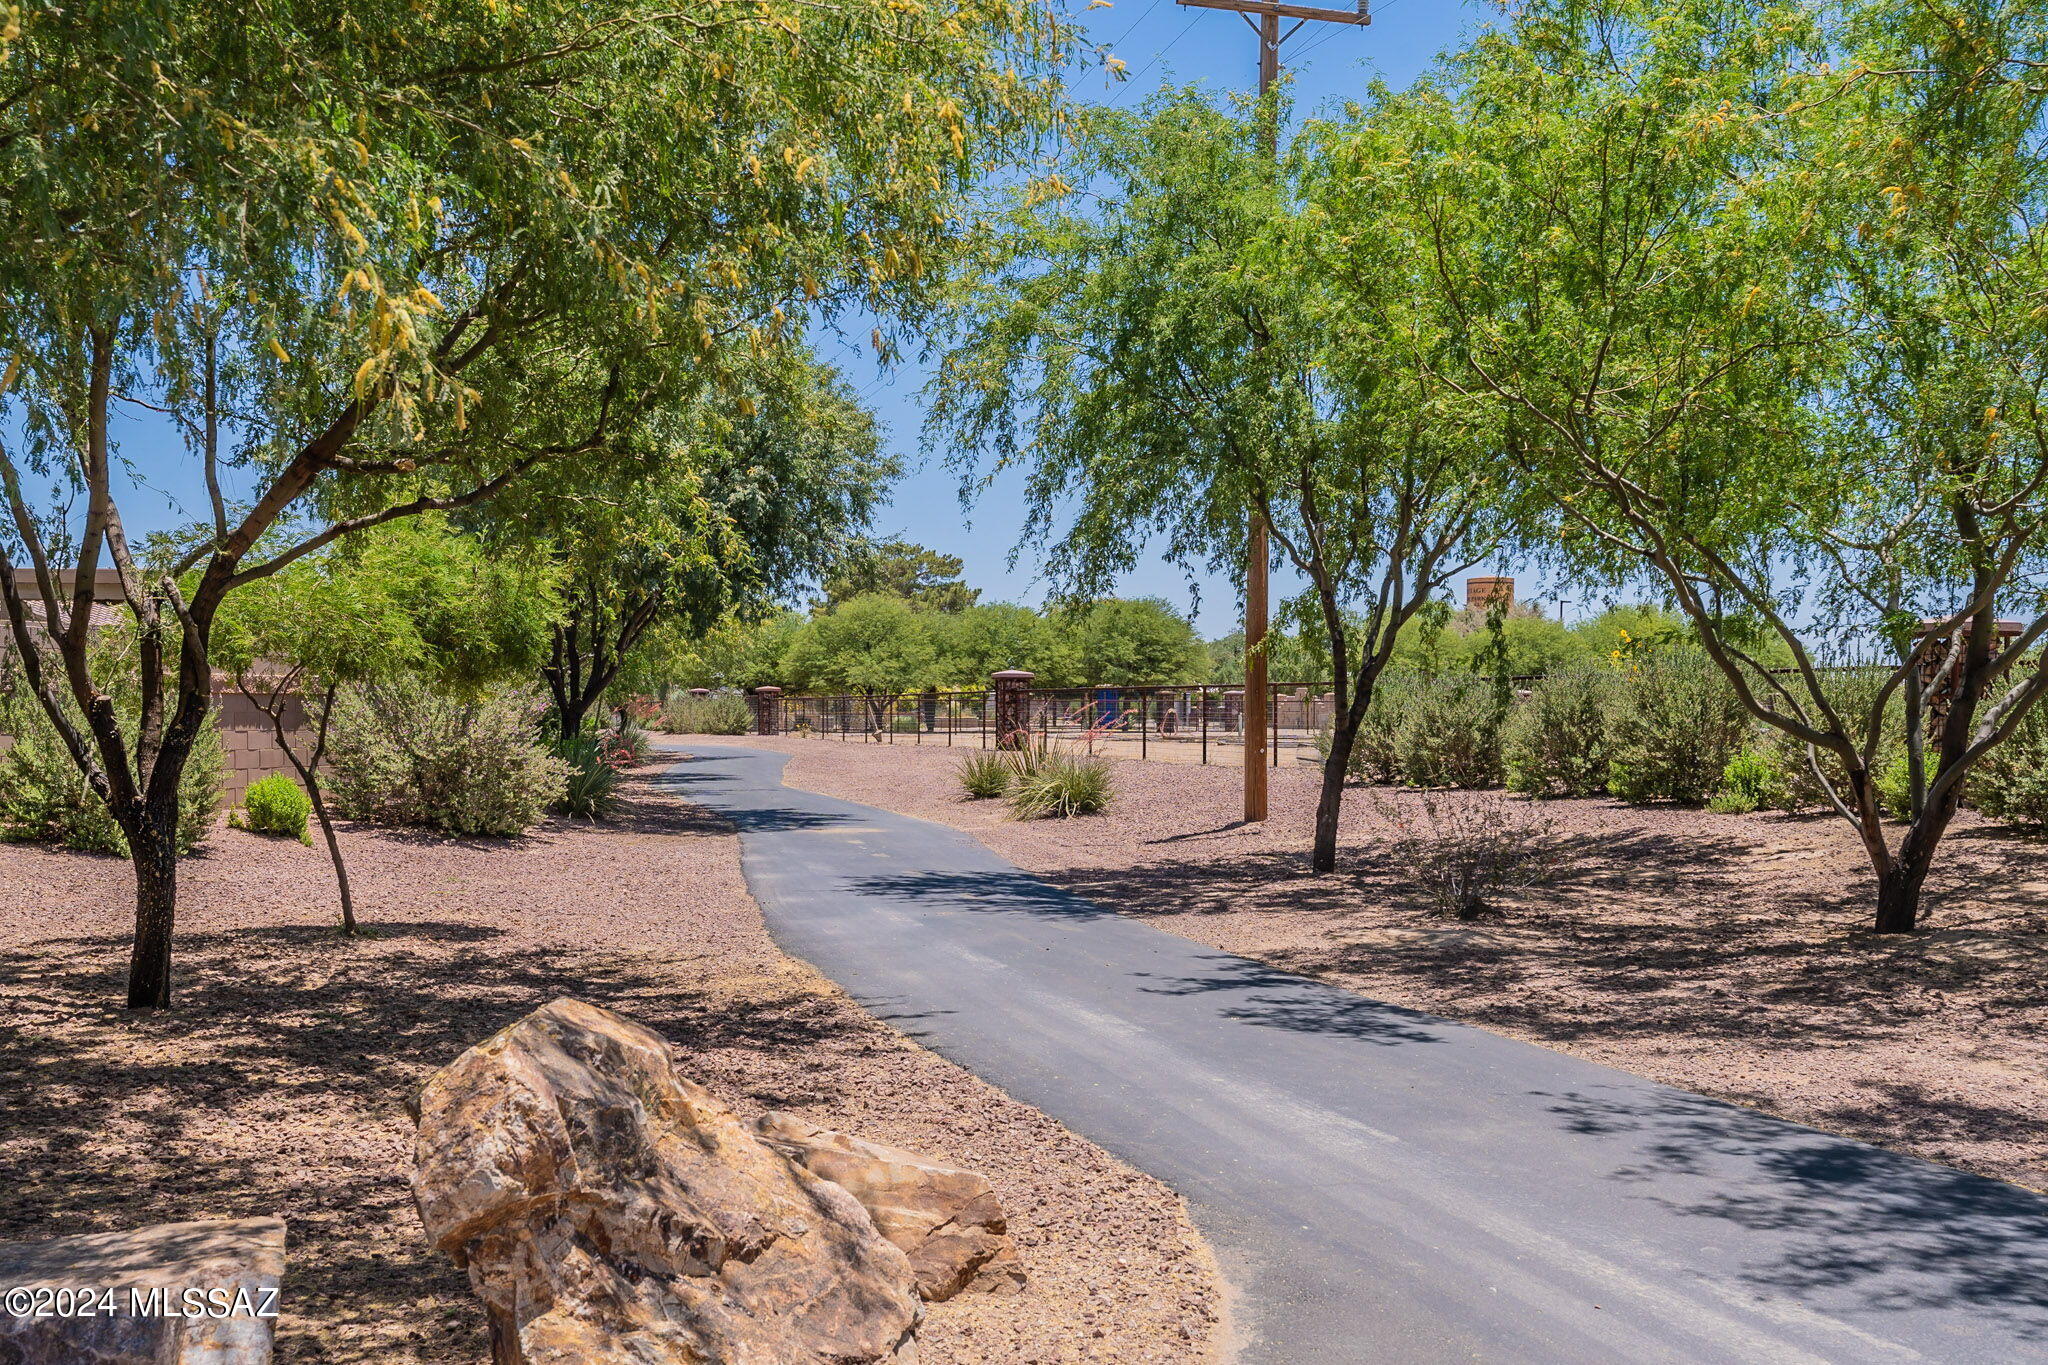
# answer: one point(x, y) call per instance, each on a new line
point(1336, 767)
point(569, 713)
point(348, 902)
point(1898, 896)
point(153, 850)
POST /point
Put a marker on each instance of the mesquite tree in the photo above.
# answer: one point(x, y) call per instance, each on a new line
point(1166, 356)
point(1757, 293)
point(389, 258)
point(717, 511)
point(411, 599)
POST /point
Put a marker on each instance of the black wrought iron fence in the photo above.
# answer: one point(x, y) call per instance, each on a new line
point(1189, 723)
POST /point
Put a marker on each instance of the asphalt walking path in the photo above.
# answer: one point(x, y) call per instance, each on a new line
point(1380, 1184)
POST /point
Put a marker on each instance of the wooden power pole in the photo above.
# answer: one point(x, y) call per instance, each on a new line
point(1257, 693)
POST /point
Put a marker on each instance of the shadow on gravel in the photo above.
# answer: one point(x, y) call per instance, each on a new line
point(1871, 1229)
point(114, 1120)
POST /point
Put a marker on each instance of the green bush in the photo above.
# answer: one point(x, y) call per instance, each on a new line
point(1449, 733)
point(403, 754)
point(2010, 782)
point(1751, 782)
point(595, 767)
point(1674, 724)
point(1851, 693)
point(985, 776)
point(1895, 786)
point(45, 799)
point(277, 805)
point(1555, 743)
point(1059, 785)
point(721, 713)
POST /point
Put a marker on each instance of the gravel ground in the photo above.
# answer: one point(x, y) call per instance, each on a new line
point(277, 1085)
point(1721, 953)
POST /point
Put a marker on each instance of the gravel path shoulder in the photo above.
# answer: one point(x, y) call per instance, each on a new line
point(278, 1084)
point(1717, 953)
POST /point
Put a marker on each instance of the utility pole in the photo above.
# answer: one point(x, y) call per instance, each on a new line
point(1257, 692)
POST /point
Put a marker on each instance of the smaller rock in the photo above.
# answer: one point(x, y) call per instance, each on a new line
point(947, 1220)
point(241, 1260)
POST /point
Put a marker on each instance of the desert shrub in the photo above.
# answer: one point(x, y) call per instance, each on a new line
point(1851, 692)
point(632, 740)
point(1555, 743)
point(594, 767)
point(1052, 784)
point(276, 805)
point(404, 754)
point(984, 776)
point(1895, 785)
point(1674, 724)
point(2010, 782)
point(1751, 781)
point(1375, 750)
point(1449, 733)
point(1464, 850)
point(721, 713)
point(45, 799)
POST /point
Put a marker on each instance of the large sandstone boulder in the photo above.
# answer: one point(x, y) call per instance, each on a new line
point(236, 1264)
point(609, 1210)
point(948, 1220)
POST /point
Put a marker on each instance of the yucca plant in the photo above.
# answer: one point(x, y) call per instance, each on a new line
point(985, 775)
point(1059, 785)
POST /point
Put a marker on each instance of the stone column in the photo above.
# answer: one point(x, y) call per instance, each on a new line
point(767, 710)
point(1944, 670)
point(1012, 707)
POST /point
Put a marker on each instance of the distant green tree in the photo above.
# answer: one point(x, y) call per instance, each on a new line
point(1126, 641)
point(984, 638)
point(922, 577)
point(1168, 356)
point(876, 647)
point(717, 509)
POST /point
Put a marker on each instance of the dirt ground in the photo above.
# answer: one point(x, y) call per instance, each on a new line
point(1725, 954)
point(278, 1083)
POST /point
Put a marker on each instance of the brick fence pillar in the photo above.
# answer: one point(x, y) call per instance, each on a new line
point(1012, 707)
point(767, 710)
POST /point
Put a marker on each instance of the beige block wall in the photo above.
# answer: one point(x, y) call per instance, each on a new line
point(249, 743)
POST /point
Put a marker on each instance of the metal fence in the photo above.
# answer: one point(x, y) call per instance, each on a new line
point(1192, 723)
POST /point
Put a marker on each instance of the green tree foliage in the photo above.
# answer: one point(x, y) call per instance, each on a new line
point(1126, 641)
point(411, 600)
point(1753, 291)
point(392, 257)
point(713, 511)
point(987, 637)
point(876, 647)
point(920, 576)
point(1169, 356)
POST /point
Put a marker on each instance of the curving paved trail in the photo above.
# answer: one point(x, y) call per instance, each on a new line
point(1382, 1185)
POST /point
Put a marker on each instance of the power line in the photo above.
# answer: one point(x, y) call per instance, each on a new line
point(1132, 83)
point(1134, 27)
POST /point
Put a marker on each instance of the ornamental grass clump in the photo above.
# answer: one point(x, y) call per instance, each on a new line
point(596, 766)
point(1049, 784)
point(1466, 850)
point(276, 805)
point(985, 776)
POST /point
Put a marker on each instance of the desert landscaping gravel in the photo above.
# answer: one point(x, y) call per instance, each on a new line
point(1725, 954)
point(278, 1083)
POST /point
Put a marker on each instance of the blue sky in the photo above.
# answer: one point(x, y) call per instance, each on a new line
point(1160, 41)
